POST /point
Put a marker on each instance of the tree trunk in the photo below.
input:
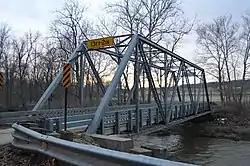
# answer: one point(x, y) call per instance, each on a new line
point(220, 87)
point(230, 86)
point(242, 82)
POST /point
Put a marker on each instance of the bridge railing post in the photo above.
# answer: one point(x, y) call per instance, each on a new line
point(178, 112)
point(117, 115)
point(59, 124)
point(130, 120)
point(184, 110)
point(157, 116)
point(175, 112)
point(181, 111)
point(187, 109)
point(149, 117)
point(49, 124)
point(141, 111)
point(190, 109)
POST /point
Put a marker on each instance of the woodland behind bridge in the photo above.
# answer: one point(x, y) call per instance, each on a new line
point(31, 61)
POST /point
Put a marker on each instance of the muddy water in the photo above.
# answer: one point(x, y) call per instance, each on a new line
point(200, 150)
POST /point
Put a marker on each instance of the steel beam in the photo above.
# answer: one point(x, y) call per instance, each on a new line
point(178, 90)
point(165, 80)
point(198, 98)
point(206, 91)
point(164, 50)
point(173, 94)
point(189, 88)
point(92, 128)
point(130, 59)
point(92, 66)
point(151, 82)
point(131, 92)
point(136, 92)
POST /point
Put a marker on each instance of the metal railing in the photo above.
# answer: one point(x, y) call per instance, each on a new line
point(125, 119)
point(80, 154)
point(19, 116)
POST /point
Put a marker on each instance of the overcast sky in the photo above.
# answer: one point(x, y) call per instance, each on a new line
point(25, 15)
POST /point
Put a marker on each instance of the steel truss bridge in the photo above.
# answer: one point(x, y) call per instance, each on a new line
point(164, 89)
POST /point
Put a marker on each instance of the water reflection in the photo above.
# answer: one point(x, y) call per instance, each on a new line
point(186, 147)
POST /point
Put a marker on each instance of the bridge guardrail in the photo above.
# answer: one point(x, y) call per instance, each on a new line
point(115, 122)
point(80, 154)
point(19, 116)
point(116, 115)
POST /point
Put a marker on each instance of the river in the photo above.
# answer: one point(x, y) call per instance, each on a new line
point(185, 147)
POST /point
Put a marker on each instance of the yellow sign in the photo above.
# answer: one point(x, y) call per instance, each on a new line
point(99, 43)
point(66, 75)
point(1, 79)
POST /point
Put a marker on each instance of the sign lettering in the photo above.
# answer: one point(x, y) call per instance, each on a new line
point(100, 43)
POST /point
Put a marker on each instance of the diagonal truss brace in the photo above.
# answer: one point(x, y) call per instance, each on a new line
point(91, 64)
point(189, 88)
point(173, 93)
point(151, 82)
point(177, 88)
point(92, 128)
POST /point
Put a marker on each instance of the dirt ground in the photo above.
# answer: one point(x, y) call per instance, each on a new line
point(11, 156)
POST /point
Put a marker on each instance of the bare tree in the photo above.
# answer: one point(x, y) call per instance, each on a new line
point(23, 50)
point(245, 41)
point(158, 20)
point(4, 59)
point(228, 42)
point(69, 29)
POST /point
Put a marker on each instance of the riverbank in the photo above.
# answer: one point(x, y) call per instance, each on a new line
point(230, 123)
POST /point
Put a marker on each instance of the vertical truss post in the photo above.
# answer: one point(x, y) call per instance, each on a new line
point(151, 81)
point(136, 84)
point(168, 94)
point(189, 89)
point(131, 92)
point(198, 98)
point(82, 68)
point(58, 78)
point(119, 86)
point(173, 93)
point(206, 90)
point(194, 85)
point(143, 86)
point(111, 88)
point(183, 92)
point(166, 85)
point(161, 86)
point(203, 96)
